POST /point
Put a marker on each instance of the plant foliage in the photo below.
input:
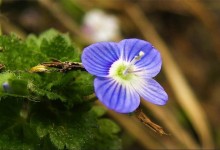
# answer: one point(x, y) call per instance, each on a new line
point(49, 110)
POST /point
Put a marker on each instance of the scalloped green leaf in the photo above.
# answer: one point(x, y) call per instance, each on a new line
point(49, 110)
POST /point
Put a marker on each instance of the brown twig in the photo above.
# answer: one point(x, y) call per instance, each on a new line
point(134, 128)
point(58, 65)
point(146, 121)
point(167, 116)
point(64, 66)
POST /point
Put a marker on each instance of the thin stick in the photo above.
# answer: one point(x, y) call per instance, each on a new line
point(146, 121)
point(133, 127)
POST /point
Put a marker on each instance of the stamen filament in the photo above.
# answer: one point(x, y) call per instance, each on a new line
point(136, 58)
point(135, 71)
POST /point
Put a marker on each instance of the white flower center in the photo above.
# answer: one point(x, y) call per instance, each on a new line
point(124, 71)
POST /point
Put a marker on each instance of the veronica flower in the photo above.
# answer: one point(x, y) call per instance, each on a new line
point(124, 72)
point(6, 86)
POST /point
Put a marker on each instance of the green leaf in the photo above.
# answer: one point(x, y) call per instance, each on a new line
point(55, 45)
point(73, 131)
point(49, 110)
point(108, 126)
point(6, 143)
point(51, 33)
point(18, 86)
point(4, 77)
point(17, 55)
point(99, 110)
point(15, 132)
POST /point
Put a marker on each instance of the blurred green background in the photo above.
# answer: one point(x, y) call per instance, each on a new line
point(186, 32)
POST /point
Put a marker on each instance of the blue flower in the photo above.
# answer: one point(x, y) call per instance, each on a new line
point(124, 72)
point(6, 87)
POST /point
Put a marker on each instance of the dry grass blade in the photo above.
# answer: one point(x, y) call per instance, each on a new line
point(8, 27)
point(67, 21)
point(200, 11)
point(182, 90)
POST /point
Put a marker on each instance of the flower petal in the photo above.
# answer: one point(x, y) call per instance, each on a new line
point(151, 61)
point(98, 58)
point(118, 97)
point(150, 90)
point(131, 48)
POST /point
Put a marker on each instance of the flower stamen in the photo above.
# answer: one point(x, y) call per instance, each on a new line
point(136, 58)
